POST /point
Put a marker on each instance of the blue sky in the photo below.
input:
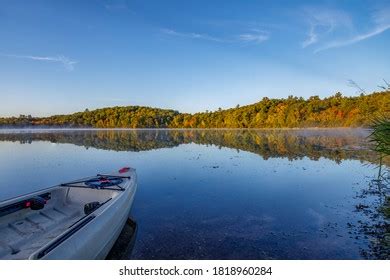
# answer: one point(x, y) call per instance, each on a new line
point(65, 56)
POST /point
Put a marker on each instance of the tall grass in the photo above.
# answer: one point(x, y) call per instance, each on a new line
point(381, 136)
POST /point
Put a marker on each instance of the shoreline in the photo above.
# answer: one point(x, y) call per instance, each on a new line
point(173, 129)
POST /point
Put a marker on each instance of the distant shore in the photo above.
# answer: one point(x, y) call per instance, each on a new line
point(292, 112)
point(33, 128)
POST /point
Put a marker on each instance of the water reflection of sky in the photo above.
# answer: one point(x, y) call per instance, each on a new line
point(203, 201)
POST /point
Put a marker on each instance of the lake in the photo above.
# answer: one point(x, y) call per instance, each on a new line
point(219, 194)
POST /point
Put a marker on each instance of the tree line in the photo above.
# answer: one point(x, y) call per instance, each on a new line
point(333, 111)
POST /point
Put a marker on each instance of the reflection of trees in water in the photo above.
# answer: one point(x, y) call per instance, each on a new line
point(334, 144)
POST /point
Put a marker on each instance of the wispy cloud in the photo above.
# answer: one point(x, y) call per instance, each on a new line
point(323, 21)
point(381, 20)
point(243, 24)
point(191, 35)
point(254, 36)
point(257, 37)
point(66, 62)
point(360, 37)
point(334, 28)
point(312, 37)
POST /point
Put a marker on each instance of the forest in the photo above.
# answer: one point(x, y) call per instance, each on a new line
point(333, 111)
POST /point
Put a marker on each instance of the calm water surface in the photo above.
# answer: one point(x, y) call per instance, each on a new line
point(207, 194)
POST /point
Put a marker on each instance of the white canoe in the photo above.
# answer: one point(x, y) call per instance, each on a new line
point(79, 220)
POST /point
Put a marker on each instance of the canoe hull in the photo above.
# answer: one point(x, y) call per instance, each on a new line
point(73, 221)
point(95, 239)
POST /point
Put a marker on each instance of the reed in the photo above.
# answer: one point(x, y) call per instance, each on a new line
point(380, 136)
